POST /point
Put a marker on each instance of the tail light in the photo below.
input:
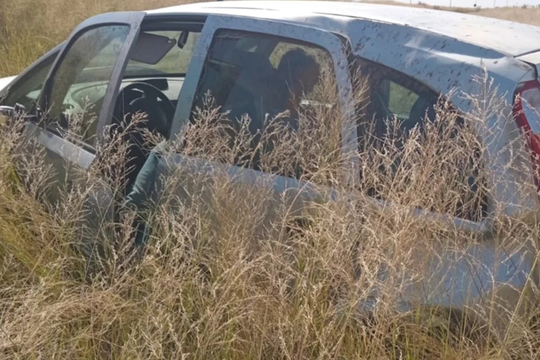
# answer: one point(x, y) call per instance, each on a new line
point(527, 115)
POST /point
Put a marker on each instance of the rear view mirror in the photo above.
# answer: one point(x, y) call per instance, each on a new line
point(182, 40)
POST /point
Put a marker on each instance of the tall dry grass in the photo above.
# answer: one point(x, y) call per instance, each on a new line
point(233, 270)
point(29, 28)
point(528, 15)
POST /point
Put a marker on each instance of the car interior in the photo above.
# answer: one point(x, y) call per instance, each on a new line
point(151, 84)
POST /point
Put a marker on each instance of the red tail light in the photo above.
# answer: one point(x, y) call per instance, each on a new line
point(527, 115)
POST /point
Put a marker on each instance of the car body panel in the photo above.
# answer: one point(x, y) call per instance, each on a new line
point(4, 82)
point(466, 276)
point(533, 59)
point(463, 277)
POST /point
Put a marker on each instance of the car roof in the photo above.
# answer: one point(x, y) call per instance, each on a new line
point(504, 37)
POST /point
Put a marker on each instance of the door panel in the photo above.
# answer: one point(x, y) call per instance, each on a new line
point(263, 42)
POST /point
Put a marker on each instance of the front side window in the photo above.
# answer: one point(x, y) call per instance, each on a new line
point(82, 78)
point(411, 154)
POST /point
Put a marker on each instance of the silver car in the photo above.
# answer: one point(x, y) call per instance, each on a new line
point(174, 56)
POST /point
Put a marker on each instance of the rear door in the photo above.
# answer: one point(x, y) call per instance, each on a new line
point(230, 63)
point(69, 127)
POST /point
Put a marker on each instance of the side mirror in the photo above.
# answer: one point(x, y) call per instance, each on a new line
point(9, 113)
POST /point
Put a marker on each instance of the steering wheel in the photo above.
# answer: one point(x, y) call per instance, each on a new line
point(143, 97)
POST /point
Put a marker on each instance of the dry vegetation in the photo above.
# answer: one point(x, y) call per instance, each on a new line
point(217, 280)
point(519, 14)
point(28, 28)
point(527, 16)
point(234, 273)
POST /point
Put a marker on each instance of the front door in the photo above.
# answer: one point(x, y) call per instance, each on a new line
point(69, 127)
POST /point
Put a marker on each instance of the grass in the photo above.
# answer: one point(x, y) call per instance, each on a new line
point(240, 274)
point(233, 273)
point(530, 15)
point(28, 28)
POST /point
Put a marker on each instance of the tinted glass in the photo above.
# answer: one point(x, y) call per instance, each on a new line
point(258, 77)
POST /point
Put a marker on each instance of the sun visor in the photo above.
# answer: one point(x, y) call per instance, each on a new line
point(151, 48)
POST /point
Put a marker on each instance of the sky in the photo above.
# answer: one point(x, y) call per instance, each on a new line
point(482, 3)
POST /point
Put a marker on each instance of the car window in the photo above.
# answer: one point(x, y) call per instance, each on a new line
point(259, 76)
point(400, 99)
point(26, 90)
point(396, 99)
point(80, 82)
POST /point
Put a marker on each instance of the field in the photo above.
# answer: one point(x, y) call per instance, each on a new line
point(216, 279)
point(524, 15)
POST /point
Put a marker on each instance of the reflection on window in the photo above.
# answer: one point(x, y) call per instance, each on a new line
point(86, 68)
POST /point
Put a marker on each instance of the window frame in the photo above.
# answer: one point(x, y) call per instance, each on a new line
point(330, 42)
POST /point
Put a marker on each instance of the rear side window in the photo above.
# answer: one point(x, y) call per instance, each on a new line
point(401, 100)
point(397, 104)
point(396, 97)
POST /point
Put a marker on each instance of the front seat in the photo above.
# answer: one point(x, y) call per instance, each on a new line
point(253, 89)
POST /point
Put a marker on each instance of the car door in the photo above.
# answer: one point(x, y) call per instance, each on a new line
point(95, 55)
point(199, 178)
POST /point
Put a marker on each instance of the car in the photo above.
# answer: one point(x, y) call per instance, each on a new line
point(175, 55)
